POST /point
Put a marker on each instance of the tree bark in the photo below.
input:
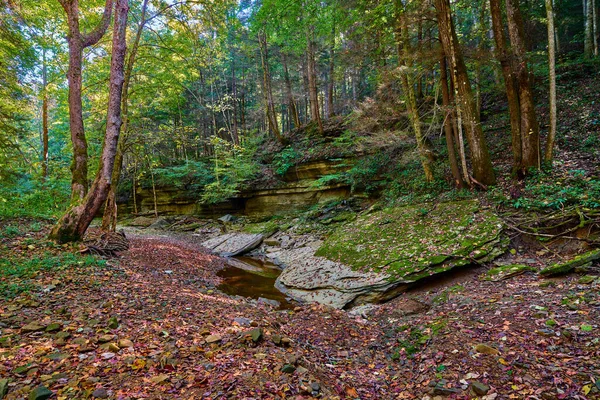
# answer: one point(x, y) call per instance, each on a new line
point(448, 124)
point(482, 165)
point(548, 155)
point(74, 223)
point(78, 41)
point(331, 81)
point(595, 27)
point(529, 128)
point(403, 43)
point(109, 218)
point(313, 93)
point(268, 92)
point(510, 82)
point(588, 15)
point(44, 116)
point(293, 109)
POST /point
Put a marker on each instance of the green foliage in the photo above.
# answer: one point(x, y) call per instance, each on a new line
point(285, 159)
point(233, 167)
point(17, 274)
point(193, 175)
point(27, 197)
point(545, 190)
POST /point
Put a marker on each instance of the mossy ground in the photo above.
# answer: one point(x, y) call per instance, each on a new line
point(417, 241)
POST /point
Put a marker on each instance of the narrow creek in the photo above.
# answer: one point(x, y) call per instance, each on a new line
point(253, 278)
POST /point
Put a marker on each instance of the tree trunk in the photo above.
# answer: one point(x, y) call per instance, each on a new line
point(448, 123)
point(529, 128)
point(77, 42)
point(595, 27)
point(109, 219)
point(331, 81)
point(293, 109)
point(408, 89)
point(267, 92)
point(588, 15)
point(510, 82)
point(313, 93)
point(74, 223)
point(552, 78)
point(482, 165)
point(44, 116)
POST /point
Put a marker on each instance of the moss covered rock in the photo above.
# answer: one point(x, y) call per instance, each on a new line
point(381, 253)
point(566, 267)
point(503, 272)
point(414, 242)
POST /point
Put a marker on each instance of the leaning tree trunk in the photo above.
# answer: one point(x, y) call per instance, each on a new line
point(74, 223)
point(409, 90)
point(552, 78)
point(78, 41)
point(483, 172)
point(109, 219)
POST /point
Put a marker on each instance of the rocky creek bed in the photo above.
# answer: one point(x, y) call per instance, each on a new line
point(151, 324)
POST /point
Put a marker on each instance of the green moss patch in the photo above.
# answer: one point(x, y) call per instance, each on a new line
point(417, 241)
point(502, 272)
point(566, 267)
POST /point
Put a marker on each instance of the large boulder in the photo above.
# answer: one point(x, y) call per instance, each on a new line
point(381, 253)
point(233, 244)
point(142, 222)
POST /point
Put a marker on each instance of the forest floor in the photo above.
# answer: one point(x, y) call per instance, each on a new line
point(150, 324)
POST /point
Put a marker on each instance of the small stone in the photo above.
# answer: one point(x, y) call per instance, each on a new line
point(33, 327)
point(586, 280)
point(276, 339)
point(301, 370)
point(106, 338)
point(288, 369)
point(242, 321)
point(315, 386)
point(113, 323)
point(53, 327)
point(286, 341)
point(209, 366)
point(269, 302)
point(485, 349)
point(213, 338)
point(57, 356)
point(479, 388)
point(124, 343)
point(113, 347)
point(40, 393)
point(256, 334)
point(100, 393)
point(62, 335)
point(3, 387)
point(107, 355)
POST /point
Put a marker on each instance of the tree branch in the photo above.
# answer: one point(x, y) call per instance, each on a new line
point(93, 37)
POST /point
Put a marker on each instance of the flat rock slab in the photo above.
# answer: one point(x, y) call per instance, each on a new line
point(380, 254)
point(233, 244)
point(317, 279)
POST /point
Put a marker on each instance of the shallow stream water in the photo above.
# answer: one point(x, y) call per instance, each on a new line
point(253, 278)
